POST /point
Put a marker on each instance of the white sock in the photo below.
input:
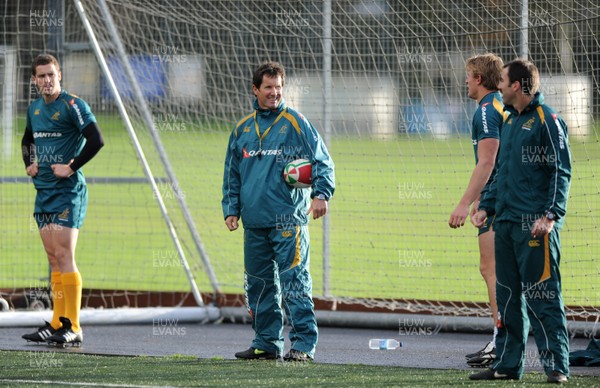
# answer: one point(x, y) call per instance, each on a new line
point(494, 337)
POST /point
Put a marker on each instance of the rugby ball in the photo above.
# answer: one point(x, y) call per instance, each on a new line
point(298, 173)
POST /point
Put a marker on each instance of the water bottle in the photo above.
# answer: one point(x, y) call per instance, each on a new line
point(384, 344)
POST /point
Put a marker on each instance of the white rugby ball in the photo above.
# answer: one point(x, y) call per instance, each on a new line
point(298, 173)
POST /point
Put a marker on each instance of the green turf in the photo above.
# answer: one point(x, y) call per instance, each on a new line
point(37, 369)
point(389, 233)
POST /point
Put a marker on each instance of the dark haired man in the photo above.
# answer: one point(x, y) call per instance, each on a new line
point(275, 216)
point(529, 200)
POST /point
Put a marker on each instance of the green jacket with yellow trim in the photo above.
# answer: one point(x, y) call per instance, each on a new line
point(534, 166)
point(253, 185)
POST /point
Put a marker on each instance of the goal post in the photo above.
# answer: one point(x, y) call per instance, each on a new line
point(383, 81)
point(125, 116)
point(8, 90)
point(31, 290)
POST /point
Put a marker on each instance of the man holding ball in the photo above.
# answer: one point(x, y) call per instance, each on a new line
point(275, 216)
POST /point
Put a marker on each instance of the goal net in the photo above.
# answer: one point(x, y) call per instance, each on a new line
point(397, 120)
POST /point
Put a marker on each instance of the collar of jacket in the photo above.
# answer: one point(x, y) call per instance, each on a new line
point(267, 112)
point(538, 99)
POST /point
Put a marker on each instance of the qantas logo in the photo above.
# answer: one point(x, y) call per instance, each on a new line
point(46, 134)
point(561, 134)
point(250, 154)
point(484, 116)
point(74, 105)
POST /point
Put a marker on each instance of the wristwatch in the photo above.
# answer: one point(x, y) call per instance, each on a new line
point(550, 215)
point(321, 197)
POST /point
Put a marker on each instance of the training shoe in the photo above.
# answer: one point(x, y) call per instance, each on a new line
point(296, 355)
point(255, 354)
point(490, 374)
point(483, 361)
point(556, 378)
point(65, 335)
point(41, 335)
point(487, 349)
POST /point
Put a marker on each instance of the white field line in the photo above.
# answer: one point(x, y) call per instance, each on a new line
point(82, 384)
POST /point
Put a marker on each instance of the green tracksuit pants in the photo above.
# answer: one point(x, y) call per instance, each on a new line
point(277, 274)
point(528, 290)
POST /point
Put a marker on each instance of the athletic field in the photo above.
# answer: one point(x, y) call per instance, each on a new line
point(190, 355)
point(389, 233)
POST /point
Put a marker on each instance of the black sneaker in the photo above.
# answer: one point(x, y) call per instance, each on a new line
point(490, 374)
point(65, 335)
point(487, 349)
point(41, 335)
point(556, 378)
point(255, 354)
point(296, 355)
point(483, 361)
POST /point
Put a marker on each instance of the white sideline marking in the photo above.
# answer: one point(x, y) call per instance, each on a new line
point(82, 383)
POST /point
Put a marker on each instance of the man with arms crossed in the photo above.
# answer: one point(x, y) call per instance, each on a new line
point(483, 76)
point(61, 135)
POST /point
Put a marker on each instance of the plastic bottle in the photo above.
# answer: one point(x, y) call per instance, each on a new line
point(384, 344)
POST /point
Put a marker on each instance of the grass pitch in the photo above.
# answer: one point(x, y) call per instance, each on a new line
point(389, 233)
point(45, 368)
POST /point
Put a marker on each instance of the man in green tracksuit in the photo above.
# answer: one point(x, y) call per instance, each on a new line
point(275, 216)
point(529, 199)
